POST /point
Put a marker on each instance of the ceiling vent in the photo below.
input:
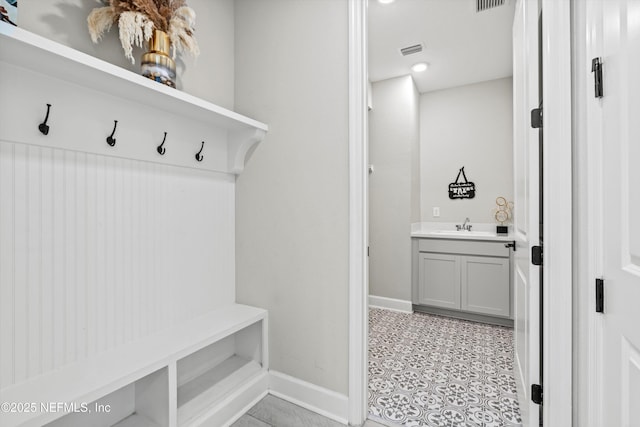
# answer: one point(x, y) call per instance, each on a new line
point(410, 50)
point(482, 5)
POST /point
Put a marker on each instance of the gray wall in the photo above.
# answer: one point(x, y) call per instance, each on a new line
point(292, 198)
point(210, 77)
point(470, 126)
point(394, 135)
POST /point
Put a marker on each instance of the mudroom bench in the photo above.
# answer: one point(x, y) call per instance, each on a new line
point(202, 372)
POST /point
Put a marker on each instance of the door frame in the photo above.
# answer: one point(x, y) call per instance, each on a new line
point(358, 213)
point(557, 236)
point(557, 326)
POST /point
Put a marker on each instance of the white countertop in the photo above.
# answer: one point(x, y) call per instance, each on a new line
point(446, 230)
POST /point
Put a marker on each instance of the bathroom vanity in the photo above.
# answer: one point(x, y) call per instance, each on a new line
point(463, 274)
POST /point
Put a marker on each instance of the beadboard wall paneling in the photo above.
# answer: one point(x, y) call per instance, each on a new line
point(97, 251)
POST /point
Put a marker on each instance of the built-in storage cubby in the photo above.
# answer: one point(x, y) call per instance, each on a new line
point(142, 403)
point(463, 278)
point(204, 370)
point(208, 375)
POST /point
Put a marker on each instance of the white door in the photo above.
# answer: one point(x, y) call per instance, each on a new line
point(526, 216)
point(616, 135)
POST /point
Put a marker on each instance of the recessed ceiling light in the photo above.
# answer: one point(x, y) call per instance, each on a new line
point(386, 1)
point(419, 67)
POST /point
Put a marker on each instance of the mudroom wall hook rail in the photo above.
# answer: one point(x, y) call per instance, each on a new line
point(161, 150)
point(199, 155)
point(44, 127)
point(110, 139)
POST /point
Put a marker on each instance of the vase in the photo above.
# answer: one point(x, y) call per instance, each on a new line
point(156, 63)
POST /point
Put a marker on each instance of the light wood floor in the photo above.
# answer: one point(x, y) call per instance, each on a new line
point(275, 412)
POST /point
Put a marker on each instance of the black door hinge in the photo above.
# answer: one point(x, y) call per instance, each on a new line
point(599, 295)
point(536, 118)
point(536, 394)
point(596, 69)
point(367, 250)
point(536, 255)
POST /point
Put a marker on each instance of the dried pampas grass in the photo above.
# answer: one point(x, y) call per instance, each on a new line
point(138, 18)
point(99, 21)
point(181, 29)
point(135, 29)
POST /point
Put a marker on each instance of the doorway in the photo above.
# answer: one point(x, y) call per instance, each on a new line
point(558, 338)
point(423, 128)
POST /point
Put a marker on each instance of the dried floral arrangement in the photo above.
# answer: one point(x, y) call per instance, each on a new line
point(137, 19)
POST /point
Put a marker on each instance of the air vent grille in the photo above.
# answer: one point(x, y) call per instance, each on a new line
point(482, 5)
point(410, 50)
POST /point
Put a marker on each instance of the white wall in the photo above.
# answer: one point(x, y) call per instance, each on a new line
point(209, 77)
point(470, 126)
point(394, 134)
point(292, 198)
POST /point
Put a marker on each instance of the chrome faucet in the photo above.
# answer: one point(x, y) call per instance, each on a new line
point(465, 226)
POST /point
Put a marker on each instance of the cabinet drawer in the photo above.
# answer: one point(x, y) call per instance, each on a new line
point(465, 247)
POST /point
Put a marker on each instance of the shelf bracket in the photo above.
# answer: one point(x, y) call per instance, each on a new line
point(239, 145)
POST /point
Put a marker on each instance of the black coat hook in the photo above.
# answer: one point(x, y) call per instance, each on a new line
point(199, 155)
point(43, 127)
point(161, 149)
point(110, 139)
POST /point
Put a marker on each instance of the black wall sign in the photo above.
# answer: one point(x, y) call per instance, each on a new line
point(462, 189)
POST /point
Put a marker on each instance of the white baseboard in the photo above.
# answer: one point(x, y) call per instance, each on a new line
point(310, 396)
point(390, 304)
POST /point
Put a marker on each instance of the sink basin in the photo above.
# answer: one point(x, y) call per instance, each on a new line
point(462, 233)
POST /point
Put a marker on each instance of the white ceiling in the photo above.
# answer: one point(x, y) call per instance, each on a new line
point(462, 46)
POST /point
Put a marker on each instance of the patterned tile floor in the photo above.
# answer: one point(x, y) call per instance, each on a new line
point(435, 371)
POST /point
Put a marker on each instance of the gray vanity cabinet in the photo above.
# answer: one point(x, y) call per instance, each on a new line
point(464, 278)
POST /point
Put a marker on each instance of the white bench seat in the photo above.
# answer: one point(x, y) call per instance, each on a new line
point(93, 378)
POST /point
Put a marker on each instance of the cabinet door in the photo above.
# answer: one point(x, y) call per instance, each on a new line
point(485, 285)
point(439, 280)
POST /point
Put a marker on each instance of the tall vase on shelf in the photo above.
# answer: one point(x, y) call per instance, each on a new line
point(157, 64)
point(165, 24)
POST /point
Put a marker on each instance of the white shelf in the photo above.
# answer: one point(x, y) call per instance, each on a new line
point(31, 51)
point(198, 394)
point(91, 379)
point(209, 379)
point(24, 49)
